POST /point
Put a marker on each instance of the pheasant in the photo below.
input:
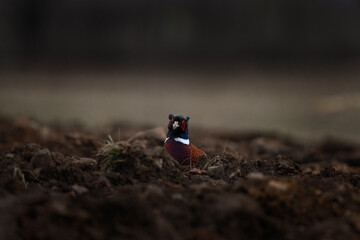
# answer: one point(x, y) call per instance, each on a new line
point(177, 142)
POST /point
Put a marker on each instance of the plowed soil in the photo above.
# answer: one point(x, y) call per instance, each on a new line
point(66, 183)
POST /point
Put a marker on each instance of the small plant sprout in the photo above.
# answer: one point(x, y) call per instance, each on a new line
point(19, 175)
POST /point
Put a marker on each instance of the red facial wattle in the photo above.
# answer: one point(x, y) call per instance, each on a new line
point(183, 126)
point(171, 122)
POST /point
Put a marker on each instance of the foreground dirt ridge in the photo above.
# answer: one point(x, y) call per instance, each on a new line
point(71, 183)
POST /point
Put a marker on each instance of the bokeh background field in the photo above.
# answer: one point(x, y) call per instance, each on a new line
point(287, 66)
point(306, 104)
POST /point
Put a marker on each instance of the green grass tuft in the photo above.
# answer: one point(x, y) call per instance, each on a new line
point(113, 152)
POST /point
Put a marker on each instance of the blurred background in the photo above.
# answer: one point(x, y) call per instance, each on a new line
point(280, 66)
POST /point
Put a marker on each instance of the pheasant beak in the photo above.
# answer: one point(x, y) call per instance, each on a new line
point(175, 125)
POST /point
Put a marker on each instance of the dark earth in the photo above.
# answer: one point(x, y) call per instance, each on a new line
point(71, 182)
